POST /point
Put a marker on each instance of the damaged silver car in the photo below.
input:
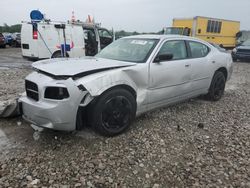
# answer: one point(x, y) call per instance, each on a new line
point(130, 76)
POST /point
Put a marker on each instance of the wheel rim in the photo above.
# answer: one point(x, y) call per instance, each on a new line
point(116, 114)
point(219, 87)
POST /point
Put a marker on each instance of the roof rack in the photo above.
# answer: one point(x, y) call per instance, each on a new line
point(78, 22)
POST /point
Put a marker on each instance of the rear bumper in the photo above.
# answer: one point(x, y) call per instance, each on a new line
point(31, 58)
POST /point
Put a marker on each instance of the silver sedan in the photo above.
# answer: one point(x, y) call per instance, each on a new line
point(131, 76)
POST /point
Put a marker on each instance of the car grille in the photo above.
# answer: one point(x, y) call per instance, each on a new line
point(31, 90)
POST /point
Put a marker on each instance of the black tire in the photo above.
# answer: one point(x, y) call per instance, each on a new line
point(113, 112)
point(217, 86)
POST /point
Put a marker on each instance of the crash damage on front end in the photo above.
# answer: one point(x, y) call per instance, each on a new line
point(51, 103)
point(53, 98)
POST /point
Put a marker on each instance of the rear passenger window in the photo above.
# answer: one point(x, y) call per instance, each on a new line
point(198, 50)
point(177, 48)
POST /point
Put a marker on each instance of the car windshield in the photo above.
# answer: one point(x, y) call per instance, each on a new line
point(246, 43)
point(129, 49)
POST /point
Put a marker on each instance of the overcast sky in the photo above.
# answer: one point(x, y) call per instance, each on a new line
point(129, 15)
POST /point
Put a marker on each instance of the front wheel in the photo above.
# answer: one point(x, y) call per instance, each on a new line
point(217, 86)
point(113, 112)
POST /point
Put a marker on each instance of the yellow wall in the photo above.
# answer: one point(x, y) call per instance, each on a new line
point(227, 36)
point(183, 23)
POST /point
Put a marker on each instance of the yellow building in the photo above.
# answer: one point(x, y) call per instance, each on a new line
point(218, 31)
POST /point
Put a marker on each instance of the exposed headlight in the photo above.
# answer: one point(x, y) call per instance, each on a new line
point(57, 93)
point(234, 50)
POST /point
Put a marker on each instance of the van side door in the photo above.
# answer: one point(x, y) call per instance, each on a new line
point(91, 41)
point(105, 37)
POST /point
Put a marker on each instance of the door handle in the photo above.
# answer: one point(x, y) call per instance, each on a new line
point(187, 65)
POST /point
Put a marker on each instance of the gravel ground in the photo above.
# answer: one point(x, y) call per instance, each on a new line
point(193, 144)
point(11, 79)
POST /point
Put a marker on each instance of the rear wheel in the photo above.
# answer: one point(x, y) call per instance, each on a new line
point(217, 86)
point(58, 54)
point(113, 112)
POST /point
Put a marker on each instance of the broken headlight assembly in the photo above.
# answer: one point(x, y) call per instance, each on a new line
point(56, 93)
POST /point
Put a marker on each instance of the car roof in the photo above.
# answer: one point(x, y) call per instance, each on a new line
point(168, 36)
point(150, 36)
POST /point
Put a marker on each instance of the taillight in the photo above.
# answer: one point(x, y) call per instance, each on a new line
point(35, 35)
point(35, 31)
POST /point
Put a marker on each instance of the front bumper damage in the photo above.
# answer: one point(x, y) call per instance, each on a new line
point(51, 113)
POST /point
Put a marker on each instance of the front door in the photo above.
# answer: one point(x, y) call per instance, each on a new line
point(170, 80)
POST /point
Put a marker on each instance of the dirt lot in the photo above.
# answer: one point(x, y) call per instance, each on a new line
point(193, 144)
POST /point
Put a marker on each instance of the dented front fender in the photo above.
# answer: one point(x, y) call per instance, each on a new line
point(136, 77)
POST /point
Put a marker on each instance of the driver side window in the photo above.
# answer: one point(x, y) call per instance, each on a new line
point(177, 48)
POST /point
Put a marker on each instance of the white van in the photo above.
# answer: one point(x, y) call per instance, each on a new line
point(46, 39)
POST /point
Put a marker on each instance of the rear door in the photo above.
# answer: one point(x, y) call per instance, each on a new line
point(48, 40)
point(29, 38)
point(170, 80)
point(76, 42)
point(200, 65)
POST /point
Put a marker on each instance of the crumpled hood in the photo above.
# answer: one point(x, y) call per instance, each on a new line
point(77, 66)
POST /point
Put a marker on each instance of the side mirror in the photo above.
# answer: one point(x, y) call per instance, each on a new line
point(163, 57)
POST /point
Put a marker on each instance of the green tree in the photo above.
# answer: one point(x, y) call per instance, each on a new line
point(10, 29)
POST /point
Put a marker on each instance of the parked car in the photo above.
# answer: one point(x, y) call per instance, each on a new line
point(16, 39)
point(242, 52)
point(2, 41)
point(129, 77)
point(8, 38)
